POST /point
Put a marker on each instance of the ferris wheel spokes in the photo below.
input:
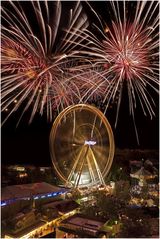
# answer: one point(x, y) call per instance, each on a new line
point(94, 123)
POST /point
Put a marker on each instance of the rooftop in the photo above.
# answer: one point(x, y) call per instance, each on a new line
point(29, 190)
point(83, 222)
point(63, 206)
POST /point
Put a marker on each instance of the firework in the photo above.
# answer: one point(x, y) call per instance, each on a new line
point(91, 85)
point(33, 60)
point(128, 54)
point(132, 49)
point(64, 93)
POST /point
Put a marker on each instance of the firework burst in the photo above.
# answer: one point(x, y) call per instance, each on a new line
point(33, 61)
point(91, 85)
point(128, 54)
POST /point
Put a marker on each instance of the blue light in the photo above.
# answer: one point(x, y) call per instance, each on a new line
point(3, 204)
point(54, 194)
point(49, 195)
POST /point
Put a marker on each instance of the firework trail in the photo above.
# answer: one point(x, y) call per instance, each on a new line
point(34, 55)
point(91, 85)
point(128, 54)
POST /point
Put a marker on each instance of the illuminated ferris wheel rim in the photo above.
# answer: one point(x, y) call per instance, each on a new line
point(87, 142)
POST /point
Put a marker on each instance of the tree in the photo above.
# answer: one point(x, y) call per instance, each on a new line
point(108, 205)
point(135, 229)
point(135, 224)
point(122, 191)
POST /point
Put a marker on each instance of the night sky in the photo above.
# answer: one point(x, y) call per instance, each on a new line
point(29, 143)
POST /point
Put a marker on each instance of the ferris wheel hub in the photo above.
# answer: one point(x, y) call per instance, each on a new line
point(90, 142)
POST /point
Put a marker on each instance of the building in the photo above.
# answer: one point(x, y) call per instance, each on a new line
point(15, 198)
point(23, 220)
point(23, 208)
point(79, 224)
point(58, 208)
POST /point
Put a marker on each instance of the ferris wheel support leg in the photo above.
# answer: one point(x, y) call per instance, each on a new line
point(74, 167)
point(81, 168)
point(91, 171)
point(79, 174)
point(98, 169)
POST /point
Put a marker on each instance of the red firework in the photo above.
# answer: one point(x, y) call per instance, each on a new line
point(29, 77)
point(32, 63)
point(126, 49)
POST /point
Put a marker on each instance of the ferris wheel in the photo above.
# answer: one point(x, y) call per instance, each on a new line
point(81, 146)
